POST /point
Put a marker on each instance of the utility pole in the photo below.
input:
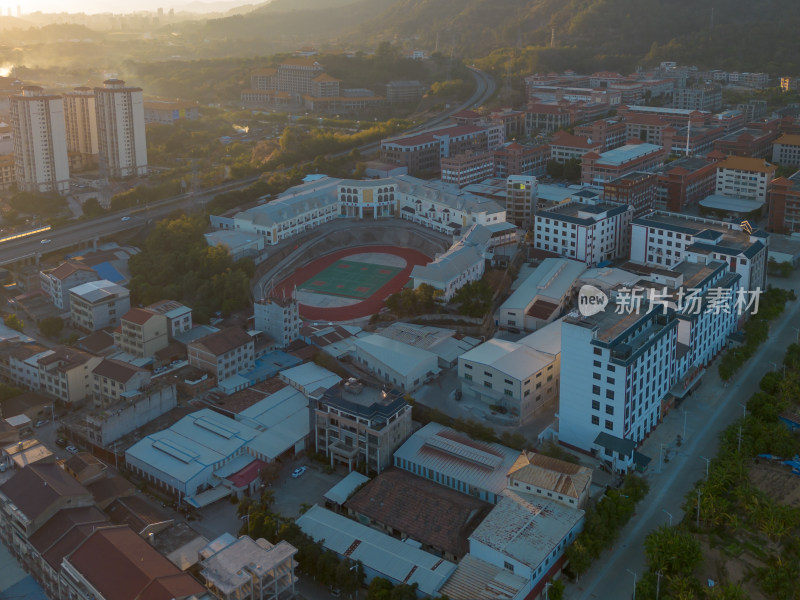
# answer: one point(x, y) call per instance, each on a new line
point(699, 493)
point(658, 583)
point(739, 448)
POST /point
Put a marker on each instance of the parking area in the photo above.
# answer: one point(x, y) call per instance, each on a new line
point(290, 493)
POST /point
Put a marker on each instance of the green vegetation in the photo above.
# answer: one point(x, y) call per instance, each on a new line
point(9, 391)
point(756, 330)
point(570, 170)
point(176, 263)
point(44, 206)
point(603, 523)
point(779, 269)
point(474, 298)
point(410, 302)
point(14, 322)
point(51, 326)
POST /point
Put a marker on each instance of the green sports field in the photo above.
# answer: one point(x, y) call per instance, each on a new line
point(350, 279)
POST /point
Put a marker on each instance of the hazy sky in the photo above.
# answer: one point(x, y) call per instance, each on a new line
point(89, 6)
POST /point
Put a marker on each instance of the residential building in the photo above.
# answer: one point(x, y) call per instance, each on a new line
point(513, 158)
point(19, 363)
point(784, 204)
point(8, 174)
point(142, 332)
point(179, 316)
point(223, 353)
point(399, 92)
point(610, 133)
point(57, 283)
point(564, 146)
point(401, 366)
point(33, 405)
point(692, 140)
point(279, 318)
point(66, 374)
point(707, 97)
point(29, 451)
point(113, 380)
point(249, 570)
point(747, 178)
point(684, 182)
point(81, 124)
point(422, 152)
point(513, 122)
point(521, 194)
point(542, 296)
point(406, 506)
point(527, 535)
point(786, 150)
point(749, 142)
point(120, 130)
point(520, 378)
point(616, 368)
point(379, 554)
point(664, 239)
point(466, 168)
point(637, 189)
point(114, 563)
point(588, 233)
point(462, 263)
point(454, 460)
point(599, 168)
point(353, 424)
point(40, 141)
point(98, 304)
point(548, 117)
point(545, 476)
point(166, 112)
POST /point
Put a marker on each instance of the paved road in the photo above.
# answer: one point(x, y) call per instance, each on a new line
point(709, 410)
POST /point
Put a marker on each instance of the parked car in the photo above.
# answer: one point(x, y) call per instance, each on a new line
point(298, 472)
point(42, 422)
point(72, 449)
point(61, 442)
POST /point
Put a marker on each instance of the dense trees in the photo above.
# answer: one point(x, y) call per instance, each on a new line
point(51, 326)
point(409, 301)
point(176, 263)
point(474, 298)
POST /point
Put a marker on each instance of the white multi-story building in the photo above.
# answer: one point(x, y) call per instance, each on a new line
point(120, 129)
point(80, 116)
point(40, 141)
point(223, 353)
point(279, 318)
point(664, 239)
point(98, 304)
point(521, 377)
point(179, 316)
point(786, 150)
point(589, 233)
point(367, 199)
point(57, 282)
point(742, 177)
point(616, 367)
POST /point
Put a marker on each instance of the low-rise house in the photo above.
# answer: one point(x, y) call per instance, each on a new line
point(142, 332)
point(98, 304)
point(19, 363)
point(113, 379)
point(179, 316)
point(556, 479)
point(57, 283)
point(223, 353)
point(66, 374)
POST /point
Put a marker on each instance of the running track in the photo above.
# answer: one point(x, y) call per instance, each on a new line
point(368, 307)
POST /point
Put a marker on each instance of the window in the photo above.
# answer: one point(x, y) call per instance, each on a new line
point(609, 425)
point(598, 352)
point(596, 389)
point(610, 394)
point(595, 404)
point(508, 566)
point(595, 420)
point(609, 409)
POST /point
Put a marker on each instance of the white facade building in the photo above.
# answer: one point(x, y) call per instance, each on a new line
point(615, 371)
point(40, 141)
point(589, 233)
point(98, 304)
point(664, 239)
point(279, 318)
point(57, 283)
point(120, 129)
point(742, 177)
point(80, 115)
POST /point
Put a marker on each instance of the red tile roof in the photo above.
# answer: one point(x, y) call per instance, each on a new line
point(122, 566)
point(139, 316)
point(223, 341)
point(66, 269)
point(116, 370)
point(37, 487)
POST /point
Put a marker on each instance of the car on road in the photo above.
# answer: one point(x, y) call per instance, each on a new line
point(45, 241)
point(72, 449)
point(42, 422)
point(61, 442)
point(299, 471)
point(125, 219)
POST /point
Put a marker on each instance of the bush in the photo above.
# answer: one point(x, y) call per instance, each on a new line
point(51, 326)
point(14, 322)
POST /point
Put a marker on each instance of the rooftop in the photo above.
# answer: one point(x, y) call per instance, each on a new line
point(743, 163)
point(35, 488)
point(480, 464)
point(475, 579)
point(369, 403)
point(117, 370)
point(552, 474)
point(342, 490)
point(65, 531)
point(627, 153)
point(222, 341)
point(99, 291)
point(526, 528)
point(731, 204)
point(378, 552)
point(421, 509)
point(551, 280)
point(432, 135)
point(310, 377)
point(139, 316)
point(728, 235)
point(403, 358)
point(512, 358)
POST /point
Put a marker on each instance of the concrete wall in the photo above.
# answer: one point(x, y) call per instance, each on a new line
point(120, 421)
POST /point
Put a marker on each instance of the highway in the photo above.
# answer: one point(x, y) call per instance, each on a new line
point(109, 225)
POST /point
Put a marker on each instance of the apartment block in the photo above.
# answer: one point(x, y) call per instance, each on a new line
point(166, 112)
point(599, 168)
point(747, 178)
point(66, 373)
point(179, 317)
point(353, 424)
point(19, 363)
point(120, 129)
point(749, 142)
point(470, 167)
point(113, 380)
point(546, 118)
point(664, 239)
point(40, 141)
point(610, 133)
point(98, 304)
point(142, 332)
point(399, 92)
point(565, 146)
point(521, 194)
point(512, 158)
point(223, 353)
point(81, 122)
point(279, 318)
point(784, 204)
point(707, 97)
point(786, 150)
point(589, 233)
point(57, 283)
point(684, 182)
point(637, 189)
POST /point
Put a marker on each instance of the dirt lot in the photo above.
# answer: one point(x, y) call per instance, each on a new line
point(721, 567)
point(777, 482)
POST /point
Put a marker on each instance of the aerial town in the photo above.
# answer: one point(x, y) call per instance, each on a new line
point(347, 333)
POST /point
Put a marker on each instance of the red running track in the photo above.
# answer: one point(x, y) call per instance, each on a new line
point(366, 308)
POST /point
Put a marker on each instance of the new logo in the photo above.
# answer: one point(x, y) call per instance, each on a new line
point(591, 300)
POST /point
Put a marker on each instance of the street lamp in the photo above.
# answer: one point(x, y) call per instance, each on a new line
point(797, 335)
point(658, 583)
point(744, 407)
point(634, 582)
point(708, 462)
point(699, 493)
point(684, 423)
point(669, 514)
point(661, 458)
